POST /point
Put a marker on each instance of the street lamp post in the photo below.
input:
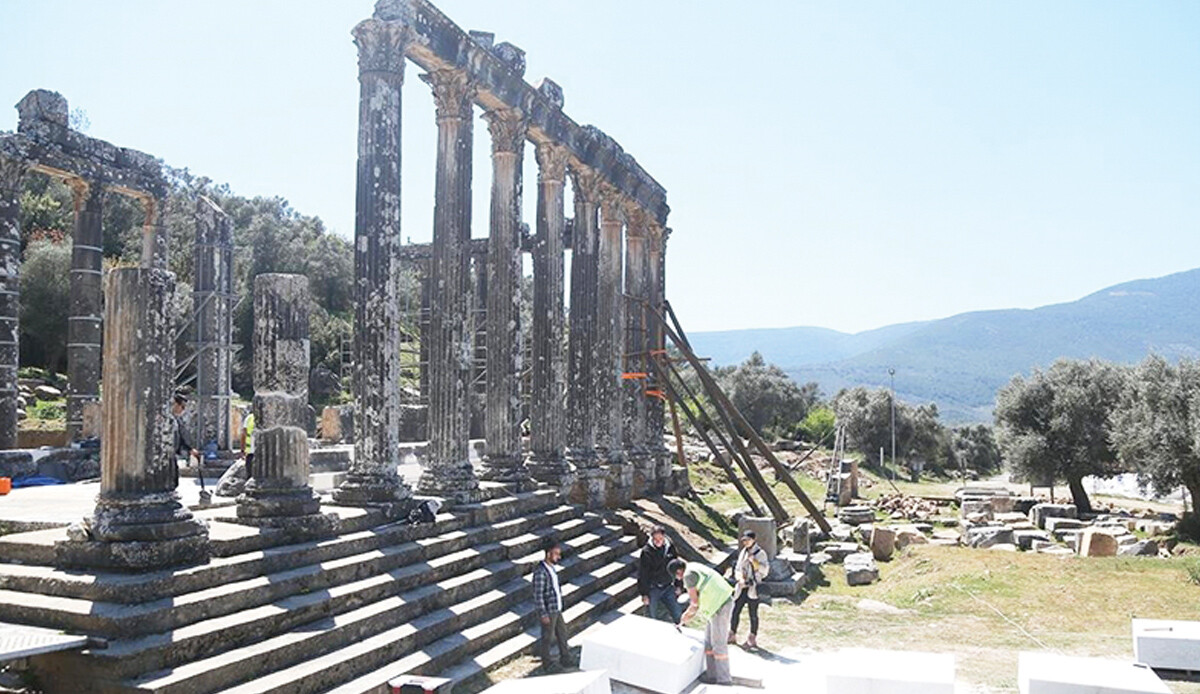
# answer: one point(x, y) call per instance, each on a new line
point(892, 377)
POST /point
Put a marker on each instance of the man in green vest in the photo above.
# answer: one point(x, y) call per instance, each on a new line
point(711, 603)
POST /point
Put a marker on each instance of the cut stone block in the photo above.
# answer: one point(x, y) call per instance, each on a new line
point(1097, 543)
point(645, 653)
point(1166, 644)
point(866, 671)
point(861, 569)
point(1141, 548)
point(766, 533)
point(1040, 512)
point(1057, 524)
point(987, 536)
point(883, 542)
point(1048, 673)
point(975, 508)
point(587, 682)
point(1026, 538)
point(856, 515)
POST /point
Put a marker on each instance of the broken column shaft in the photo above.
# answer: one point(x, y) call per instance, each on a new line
point(547, 427)
point(504, 460)
point(139, 522)
point(581, 389)
point(373, 477)
point(448, 472)
point(278, 486)
point(85, 324)
point(11, 175)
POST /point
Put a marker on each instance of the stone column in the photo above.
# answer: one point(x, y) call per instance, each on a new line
point(139, 522)
point(645, 474)
point(655, 415)
point(212, 300)
point(374, 477)
point(610, 349)
point(11, 175)
point(581, 389)
point(278, 491)
point(448, 472)
point(155, 250)
point(504, 460)
point(85, 323)
point(547, 427)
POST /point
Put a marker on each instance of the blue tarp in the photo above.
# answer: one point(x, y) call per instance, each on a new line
point(36, 481)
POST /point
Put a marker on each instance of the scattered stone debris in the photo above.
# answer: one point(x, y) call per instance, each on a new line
point(861, 569)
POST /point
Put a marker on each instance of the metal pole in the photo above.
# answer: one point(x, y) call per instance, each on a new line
point(892, 376)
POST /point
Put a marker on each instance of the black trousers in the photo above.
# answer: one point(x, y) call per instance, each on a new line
point(743, 600)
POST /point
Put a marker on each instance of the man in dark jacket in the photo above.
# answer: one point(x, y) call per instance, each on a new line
point(547, 602)
point(655, 584)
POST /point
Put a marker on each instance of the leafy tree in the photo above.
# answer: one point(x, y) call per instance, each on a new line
point(818, 425)
point(867, 416)
point(1055, 425)
point(45, 288)
point(1156, 428)
point(973, 448)
point(766, 396)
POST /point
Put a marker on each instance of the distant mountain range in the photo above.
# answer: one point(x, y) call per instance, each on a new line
point(961, 361)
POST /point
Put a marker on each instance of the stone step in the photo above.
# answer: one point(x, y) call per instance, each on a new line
point(392, 654)
point(492, 562)
point(222, 573)
point(595, 610)
point(417, 616)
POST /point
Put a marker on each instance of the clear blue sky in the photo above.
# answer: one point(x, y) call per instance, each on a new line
point(846, 165)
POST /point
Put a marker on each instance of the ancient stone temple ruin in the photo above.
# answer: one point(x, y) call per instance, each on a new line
point(285, 590)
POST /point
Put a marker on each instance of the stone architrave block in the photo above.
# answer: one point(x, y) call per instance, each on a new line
point(867, 671)
point(1167, 644)
point(586, 682)
point(1049, 673)
point(1097, 543)
point(645, 653)
point(1040, 512)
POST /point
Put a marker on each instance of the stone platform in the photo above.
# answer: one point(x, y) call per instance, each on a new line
point(1167, 644)
point(1049, 673)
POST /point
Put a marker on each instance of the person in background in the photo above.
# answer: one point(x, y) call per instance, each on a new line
point(711, 600)
point(183, 446)
point(547, 600)
point(751, 569)
point(655, 584)
point(248, 441)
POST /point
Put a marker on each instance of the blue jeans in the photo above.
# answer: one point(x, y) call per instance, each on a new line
point(665, 596)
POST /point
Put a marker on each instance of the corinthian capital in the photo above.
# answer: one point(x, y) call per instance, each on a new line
point(453, 93)
point(508, 127)
point(381, 46)
point(552, 162)
point(612, 204)
point(587, 184)
point(637, 218)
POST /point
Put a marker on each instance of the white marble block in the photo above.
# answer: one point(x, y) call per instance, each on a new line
point(586, 682)
point(867, 671)
point(1048, 673)
point(1167, 644)
point(646, 653)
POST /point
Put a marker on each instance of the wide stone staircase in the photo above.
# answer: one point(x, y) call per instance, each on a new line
point(345, 614)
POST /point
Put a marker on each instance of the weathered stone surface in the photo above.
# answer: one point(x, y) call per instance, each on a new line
point(1097, 543)
point(448, 472)
point(909, 535)
point(581, 387)
point(1040, 512)
point(373, 478)
point(883, 542)
point(212, 301)
point(837, 551)
point(856, 515)
point(1053, 525)
point(1141, 548)
point(233, 480)
point(330, 427)
point(987, 536)
point(976, 507)
point(801, 536)
point(1026, 539)
point(138, 522)
point(610, 330)
point(17, 464)
point(85, 324)
point(861, 569)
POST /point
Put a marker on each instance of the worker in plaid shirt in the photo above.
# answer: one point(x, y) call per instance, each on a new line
point(547, 598)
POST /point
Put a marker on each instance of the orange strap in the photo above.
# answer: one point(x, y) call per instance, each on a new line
point(634, 375)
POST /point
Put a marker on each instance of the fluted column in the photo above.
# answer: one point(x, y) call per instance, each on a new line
point(212, 300)
point(85, 323)
point(139, 521)
point(11, 175)
point(448, 472)
point(610, 348)
point(655, 416)
point(547, 429)
point(636, 349)
point(581, 393)
point(504, 461)
point(278, 490)
point(155, 249)
point(373, 476)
